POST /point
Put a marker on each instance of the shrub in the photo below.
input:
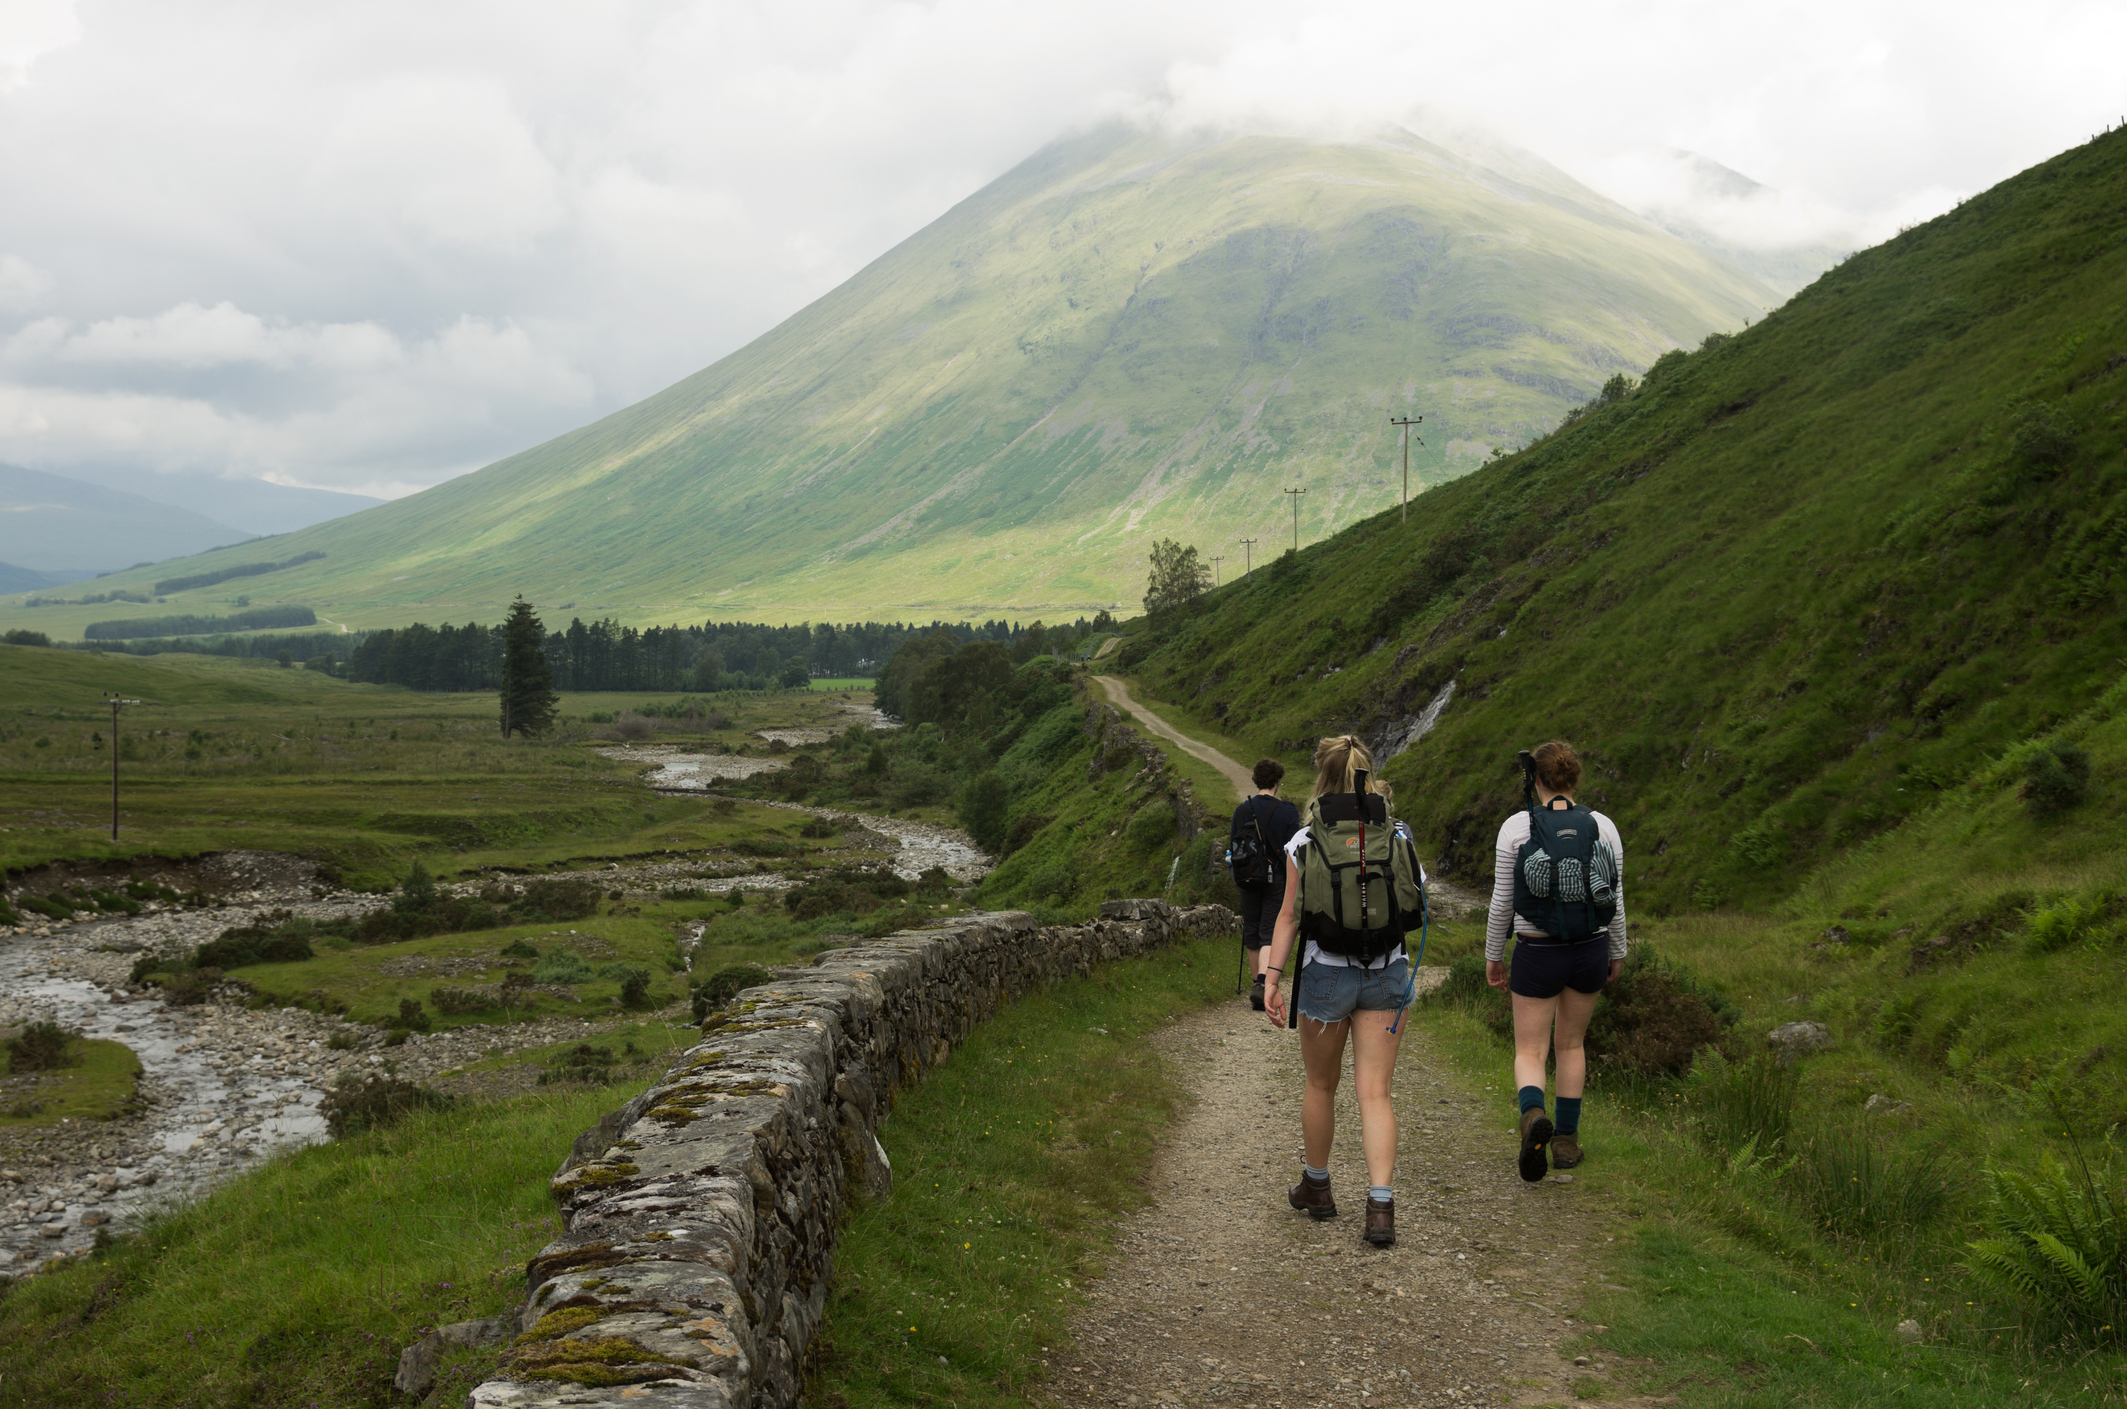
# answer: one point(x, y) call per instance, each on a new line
point(583, 1062)
point(984, 807)
point(917, 784)
point(1465, 985)
point(2043, 435)
point(417, 891)
point(634, 983)
point(276, 938)
point(1655, 1018)
point(19, 637)
point(2056, 1249)
point(411, 1015)
point(2056, 779)
point(519, 949)
point(1151, 827)
point(724, 985)
point(340, 1042)
point(562, 966)
point(190, 988)
point(371, 1102)
point(41, 1047)
point(50, 906)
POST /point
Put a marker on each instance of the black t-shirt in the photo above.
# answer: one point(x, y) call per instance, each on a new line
point(1279, 819)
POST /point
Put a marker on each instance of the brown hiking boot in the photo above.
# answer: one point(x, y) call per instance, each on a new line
point(1313, 1199)
point(1535, 1134)
point(1565, 1151)
point(1381, 1223)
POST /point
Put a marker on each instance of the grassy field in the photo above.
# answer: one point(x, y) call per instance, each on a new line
point(98, 1083)
point(299, 1284)
point(363, 778)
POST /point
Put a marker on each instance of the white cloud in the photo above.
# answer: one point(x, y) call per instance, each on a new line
point(30, 29)
point(372, 245)
point(22, 285)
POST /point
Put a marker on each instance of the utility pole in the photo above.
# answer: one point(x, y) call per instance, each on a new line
point(1406, 422)
point(114, 701)
point(1295, 494)
point(1246, 545)
point(1215, 573)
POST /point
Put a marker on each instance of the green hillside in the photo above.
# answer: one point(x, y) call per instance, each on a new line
point(1126, 336)
point(1783, 595)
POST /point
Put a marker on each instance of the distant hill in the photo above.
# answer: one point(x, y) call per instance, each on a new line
point(255, 506)
point(1784, 595)
point(49, 523)
point(1125, 337)
point(20, 579)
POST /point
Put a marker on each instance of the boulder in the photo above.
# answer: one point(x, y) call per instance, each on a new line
point(417, 1366)
point(1791, 1041)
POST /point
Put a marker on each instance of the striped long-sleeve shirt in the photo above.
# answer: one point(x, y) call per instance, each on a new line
point(1512, 834)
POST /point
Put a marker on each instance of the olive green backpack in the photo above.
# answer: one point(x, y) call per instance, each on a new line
point(1361, 887)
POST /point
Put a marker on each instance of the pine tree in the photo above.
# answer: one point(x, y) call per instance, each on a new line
point(527, 681)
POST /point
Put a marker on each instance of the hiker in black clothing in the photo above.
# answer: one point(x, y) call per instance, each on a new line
point(1261, 828)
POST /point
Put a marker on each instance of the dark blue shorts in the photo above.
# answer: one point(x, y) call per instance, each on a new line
point(1545, 970)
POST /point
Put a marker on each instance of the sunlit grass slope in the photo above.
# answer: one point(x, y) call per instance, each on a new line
point(1781, 596)
point(1126, 336)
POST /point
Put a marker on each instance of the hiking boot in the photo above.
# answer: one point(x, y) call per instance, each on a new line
point(1381, 1223)
point(1255, 994)
point(1565, 1151)
point(1535, 1134)
point(1313, 1199)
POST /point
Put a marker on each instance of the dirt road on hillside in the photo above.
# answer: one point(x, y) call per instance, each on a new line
point(1119, 696)
point(1220, 1294)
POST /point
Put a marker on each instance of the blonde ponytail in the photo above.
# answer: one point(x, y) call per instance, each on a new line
point(1337, 758)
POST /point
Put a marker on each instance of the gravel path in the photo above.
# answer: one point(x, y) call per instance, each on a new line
point(1222, 1294)
point(1119, 695)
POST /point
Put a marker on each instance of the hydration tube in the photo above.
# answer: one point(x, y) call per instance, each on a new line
point(1410, 989)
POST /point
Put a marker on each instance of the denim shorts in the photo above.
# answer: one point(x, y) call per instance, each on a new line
point(1330, 992)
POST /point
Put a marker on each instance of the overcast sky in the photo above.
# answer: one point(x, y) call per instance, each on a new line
point(372, 245)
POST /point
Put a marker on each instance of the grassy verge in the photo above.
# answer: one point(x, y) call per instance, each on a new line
point(98, 1086)
point(1005, 1193)
point(300, 1283)
point(1723, 1288)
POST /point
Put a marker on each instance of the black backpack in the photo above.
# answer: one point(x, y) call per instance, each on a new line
point(1248, 853)
point(1565, 877)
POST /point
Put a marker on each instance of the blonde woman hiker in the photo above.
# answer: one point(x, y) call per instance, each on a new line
point(1558, 886)
point(1355, 890)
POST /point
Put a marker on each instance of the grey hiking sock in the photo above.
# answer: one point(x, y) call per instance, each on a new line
point(1320, 1176)
point(1381, 1193)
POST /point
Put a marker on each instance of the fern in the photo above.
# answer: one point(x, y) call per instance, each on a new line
point(2057, 1253)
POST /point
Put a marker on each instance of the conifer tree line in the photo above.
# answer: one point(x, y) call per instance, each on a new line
point(604, 655)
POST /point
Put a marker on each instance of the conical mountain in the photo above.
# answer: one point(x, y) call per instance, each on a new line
point(1126, 337)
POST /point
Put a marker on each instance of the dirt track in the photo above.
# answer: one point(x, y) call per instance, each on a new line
point(1221, 1294)
point(1119, 695)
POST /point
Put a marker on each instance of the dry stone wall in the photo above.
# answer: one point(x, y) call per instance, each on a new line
point(702, 1216)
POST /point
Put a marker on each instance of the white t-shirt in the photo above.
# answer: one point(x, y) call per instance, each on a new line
point(1314, 954)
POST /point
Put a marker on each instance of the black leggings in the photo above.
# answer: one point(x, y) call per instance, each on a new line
point(1259, 912)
